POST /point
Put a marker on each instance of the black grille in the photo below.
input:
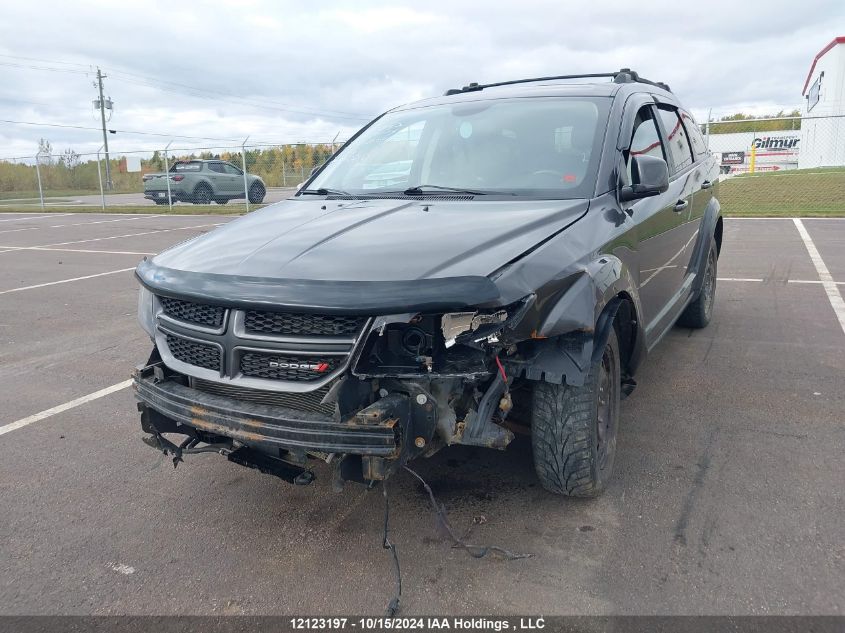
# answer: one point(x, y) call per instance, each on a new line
point(198, 354)
point(210, 316)
point(302, 324)
point(287, 367)
point(310, 401)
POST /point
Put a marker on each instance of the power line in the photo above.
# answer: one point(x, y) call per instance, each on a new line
point(153, 81)
point(87, 127)
point(238, 100)
point(48, 68)
point(181, 88)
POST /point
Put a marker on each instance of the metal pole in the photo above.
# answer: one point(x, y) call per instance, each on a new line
point(38, 175)
point(338, 134)
point(100, 76)
point(243, 166)
point(707, 137)
point(167, 177)
point(100, 178)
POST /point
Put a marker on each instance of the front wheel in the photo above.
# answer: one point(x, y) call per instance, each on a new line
point(573, 429)
point(699, 312)
point(257, 193)
point(221, 200)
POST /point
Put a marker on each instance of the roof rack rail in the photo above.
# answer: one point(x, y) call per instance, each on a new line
point(623, 76)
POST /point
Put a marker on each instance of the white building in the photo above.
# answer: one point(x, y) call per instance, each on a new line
point(823, 113)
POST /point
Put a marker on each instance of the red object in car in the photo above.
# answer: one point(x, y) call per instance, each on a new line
point(178, 178)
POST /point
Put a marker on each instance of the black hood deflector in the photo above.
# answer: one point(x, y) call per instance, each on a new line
point(311, 295)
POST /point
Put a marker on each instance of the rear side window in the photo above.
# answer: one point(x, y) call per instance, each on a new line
point(186, 167)
point(216, 167)
point(699, 147)
point(645, 139)
point(676, 140)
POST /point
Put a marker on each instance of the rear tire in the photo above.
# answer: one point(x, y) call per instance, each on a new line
point(698, 314)
point(221, 200)
point(202, 195)
point(573, 429)
point(160, 202)
point(257, 193)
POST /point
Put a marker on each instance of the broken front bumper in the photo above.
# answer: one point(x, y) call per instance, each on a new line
point(167, 406)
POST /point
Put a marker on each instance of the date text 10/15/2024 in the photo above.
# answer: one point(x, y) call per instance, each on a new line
point(433, 623)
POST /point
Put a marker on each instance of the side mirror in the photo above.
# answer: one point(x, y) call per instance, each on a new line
point(650, 175)
point(315, 169)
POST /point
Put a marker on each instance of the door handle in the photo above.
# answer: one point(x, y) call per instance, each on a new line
point(680, 205)
point(706, 184)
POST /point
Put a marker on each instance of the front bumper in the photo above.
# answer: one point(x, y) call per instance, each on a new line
point(168, 406)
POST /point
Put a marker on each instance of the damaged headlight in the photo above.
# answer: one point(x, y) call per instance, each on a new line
point(482, 326)
point(145, 311)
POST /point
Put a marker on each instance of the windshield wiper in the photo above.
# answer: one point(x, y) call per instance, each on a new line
point(322, 191)
point(420, 189)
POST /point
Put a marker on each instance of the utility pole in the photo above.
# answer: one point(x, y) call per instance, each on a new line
point(100, 77)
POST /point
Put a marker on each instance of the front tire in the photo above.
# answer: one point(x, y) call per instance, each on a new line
point(573, 429)
point(257, 193)
point(221, 200)
point(698, 314)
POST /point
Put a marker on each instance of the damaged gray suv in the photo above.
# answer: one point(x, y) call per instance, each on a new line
point(496, 260)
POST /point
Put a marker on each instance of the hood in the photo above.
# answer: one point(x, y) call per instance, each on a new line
point(373, 240)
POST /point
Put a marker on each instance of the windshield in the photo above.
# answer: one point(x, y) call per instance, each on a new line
point(539, 147)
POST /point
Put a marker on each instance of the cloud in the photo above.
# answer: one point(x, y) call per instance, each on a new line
point(293, 72)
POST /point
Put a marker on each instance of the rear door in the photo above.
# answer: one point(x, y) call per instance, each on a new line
point(214, 173)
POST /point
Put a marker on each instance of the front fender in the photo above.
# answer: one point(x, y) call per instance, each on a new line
point(574, 331)
point(593, 288)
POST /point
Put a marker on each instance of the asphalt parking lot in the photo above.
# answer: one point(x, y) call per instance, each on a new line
point(728, 495)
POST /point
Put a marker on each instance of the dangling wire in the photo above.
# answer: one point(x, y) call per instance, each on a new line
point(393, 605)
point(476, 551)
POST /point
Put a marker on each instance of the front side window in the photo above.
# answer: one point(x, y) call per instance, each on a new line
point(230, 169)
point(676, 139)
point(537, 147)
point(645, 139)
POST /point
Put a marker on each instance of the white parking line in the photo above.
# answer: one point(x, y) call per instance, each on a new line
point(813, 281)
point(111, 237)
point(738, 279)
point(29, 228)
point(836, 301)
point(12, 426)
point(140, 217)
point(38, 217)
point(82, 250)
point(65, 281)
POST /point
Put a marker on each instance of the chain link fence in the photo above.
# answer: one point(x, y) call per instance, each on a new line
point(780, 166)
point(192, 179)
point(769, 166)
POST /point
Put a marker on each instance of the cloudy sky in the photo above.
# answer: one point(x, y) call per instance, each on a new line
point(286, 72)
